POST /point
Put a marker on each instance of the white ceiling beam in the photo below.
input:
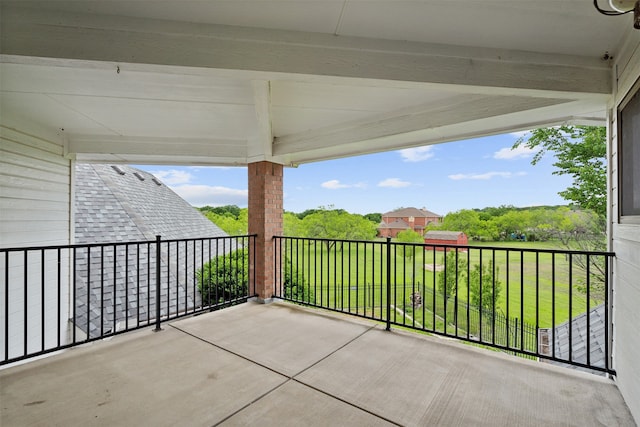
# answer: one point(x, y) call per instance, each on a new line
point(260, 147)
point(156, 159)
point(414, 120)
point(33, 33)
point(586, 113)
point(87, 146)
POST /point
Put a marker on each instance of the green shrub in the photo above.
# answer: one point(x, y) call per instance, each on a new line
point(295, 287)
point(224, 278)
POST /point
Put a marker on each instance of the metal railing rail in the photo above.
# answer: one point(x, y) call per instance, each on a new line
point(56, 297)
point(537, 303)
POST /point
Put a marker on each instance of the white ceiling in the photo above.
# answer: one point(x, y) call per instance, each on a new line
point(571, 27)
point(231, 82)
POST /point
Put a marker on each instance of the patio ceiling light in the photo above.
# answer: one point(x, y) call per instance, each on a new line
point(622, 7)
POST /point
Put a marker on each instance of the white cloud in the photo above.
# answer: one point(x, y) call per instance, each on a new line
point(509, 153)
point(334, 184)
point(201, 195)
point(393, 183)
point(418, 154)
point(173, 176)
point(484, 176)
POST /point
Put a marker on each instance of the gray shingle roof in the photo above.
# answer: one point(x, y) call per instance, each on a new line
point(397, 224)
point(121, 207)
point(407, 212)
point(579, 337)
point(124, 204)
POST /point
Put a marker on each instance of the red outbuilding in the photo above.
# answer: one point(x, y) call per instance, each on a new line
point(434, 237)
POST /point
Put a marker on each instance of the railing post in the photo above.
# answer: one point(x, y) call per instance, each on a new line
point(158, 328)
point(388, 283)
point(608, 330)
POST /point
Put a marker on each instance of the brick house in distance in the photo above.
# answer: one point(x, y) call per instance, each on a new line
point(406, 218)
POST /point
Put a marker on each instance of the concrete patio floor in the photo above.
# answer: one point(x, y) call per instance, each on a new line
point(279, 364)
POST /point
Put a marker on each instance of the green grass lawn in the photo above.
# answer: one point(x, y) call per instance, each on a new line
point(354, 276)
point(518, 244)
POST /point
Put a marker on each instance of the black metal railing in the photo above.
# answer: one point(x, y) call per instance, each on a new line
point(57, 297)
point(552, 305)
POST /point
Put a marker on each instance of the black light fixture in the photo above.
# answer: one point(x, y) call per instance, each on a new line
point(622, 7)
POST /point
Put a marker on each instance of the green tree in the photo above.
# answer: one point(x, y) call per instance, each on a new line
point(453, 275)
point(306, 213)
point(580, 153)
point(233, 210)
point(485, 276)
point(548, 223)
point(490, 212)
point(587, 232)
point(337, 224)
point(374, 217)
point(409, 236)
point(291, 225)
point(470, 223)
point(513, 221)
point(234, 225)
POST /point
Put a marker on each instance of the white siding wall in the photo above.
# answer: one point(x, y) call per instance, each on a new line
point(35, 193)
point(626, 245)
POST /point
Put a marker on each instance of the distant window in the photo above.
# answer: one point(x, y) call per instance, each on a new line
point(629, 155)
point(139, 176)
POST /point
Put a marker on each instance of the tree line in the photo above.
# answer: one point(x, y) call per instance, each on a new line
point(544, 223)
point(321, 223)
point(563, 223)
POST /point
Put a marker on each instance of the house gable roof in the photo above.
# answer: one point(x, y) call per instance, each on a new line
point(124, 204)
point(121, 203)
point(410, 212)
point(397, 224)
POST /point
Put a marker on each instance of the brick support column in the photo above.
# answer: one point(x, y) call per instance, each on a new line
point(265, 220)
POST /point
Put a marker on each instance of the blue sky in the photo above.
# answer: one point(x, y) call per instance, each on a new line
point(443, 178)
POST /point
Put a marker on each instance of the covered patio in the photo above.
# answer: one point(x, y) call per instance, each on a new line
point(281, 364)
point(277, 84)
